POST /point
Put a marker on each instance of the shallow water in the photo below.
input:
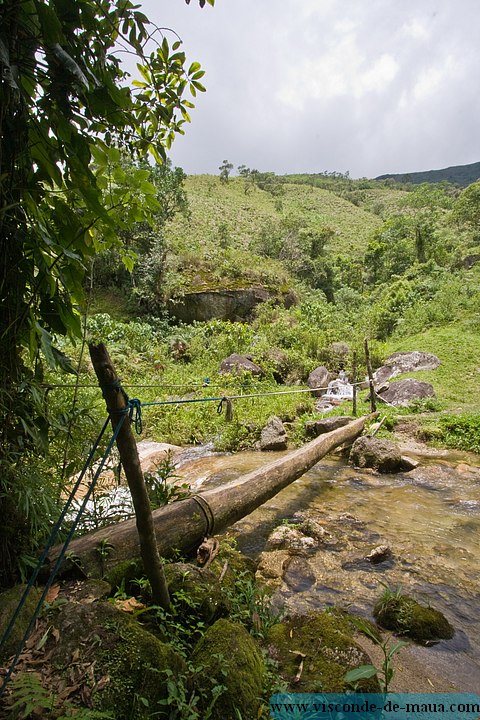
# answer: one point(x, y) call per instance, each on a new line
point(429, 517)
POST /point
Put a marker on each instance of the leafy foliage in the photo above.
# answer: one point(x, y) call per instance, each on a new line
point(67, 110)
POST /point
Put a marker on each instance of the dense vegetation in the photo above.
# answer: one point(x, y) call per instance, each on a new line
point(355, 259)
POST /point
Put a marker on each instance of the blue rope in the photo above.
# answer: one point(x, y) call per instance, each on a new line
point(53, 534)
point(135, 414)
point(61, 554)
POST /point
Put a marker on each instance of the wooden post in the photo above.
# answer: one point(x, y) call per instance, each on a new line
point(115, 400)
point(373, 404)
point(354, 383)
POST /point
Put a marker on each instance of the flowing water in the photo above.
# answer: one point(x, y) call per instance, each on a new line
point(429, 518)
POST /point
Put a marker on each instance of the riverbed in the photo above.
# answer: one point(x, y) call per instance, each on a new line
point(429, 518)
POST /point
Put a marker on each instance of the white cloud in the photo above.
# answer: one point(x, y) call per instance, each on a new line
point(373, 87)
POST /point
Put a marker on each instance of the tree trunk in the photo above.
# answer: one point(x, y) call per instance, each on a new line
point(127, 447)
point(183, 525)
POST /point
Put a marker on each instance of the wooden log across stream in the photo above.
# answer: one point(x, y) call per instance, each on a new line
point(184, 524)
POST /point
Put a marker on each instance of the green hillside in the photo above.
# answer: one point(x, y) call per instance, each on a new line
point(462, 175)
point(355, 259)
point(225, 212)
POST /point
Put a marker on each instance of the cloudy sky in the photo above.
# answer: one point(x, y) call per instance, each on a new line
point(368, 86)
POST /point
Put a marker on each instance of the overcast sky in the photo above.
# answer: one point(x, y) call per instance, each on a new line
point(368, 86)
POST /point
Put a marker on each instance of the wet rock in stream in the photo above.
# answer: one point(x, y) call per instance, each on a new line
point(298, 574)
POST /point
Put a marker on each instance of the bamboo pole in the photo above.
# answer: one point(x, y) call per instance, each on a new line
point(354, 383)
point(116, 402)
point(373, 404)
point(183, 525)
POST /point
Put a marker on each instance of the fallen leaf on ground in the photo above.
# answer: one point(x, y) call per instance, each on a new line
point(129, 605)
point(52, 593)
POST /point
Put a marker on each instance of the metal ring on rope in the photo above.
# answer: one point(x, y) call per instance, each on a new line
point(208, 513)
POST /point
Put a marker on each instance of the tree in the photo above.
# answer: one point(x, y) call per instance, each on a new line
point(425, 205)
point(225, 170)
point(64, 101)
point(466, 210)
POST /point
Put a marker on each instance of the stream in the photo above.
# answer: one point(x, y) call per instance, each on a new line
point(429, 518)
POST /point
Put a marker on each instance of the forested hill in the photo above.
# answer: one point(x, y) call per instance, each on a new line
point(462, 175)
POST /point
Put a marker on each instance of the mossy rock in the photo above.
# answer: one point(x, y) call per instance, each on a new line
point(230, 657)
point(405, 616)
point(121, 575)
point(196, 591)
point(326, 640)
point(9, 601)
point(130, 665)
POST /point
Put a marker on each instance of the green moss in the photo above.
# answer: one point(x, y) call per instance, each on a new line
point(196, 591)
point(405, 616)
point(8, 604)
point(230, 657)
point(131, 665)
point(121, 575)
point(326, 640)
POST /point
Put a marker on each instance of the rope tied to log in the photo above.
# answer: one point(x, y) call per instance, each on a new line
point(228, 408)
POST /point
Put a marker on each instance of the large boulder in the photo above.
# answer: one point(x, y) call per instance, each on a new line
point(403, 392)
point(319, 378)
point(315, 651)
point(403, 362)
point(314, 428)
point(225, 304)
point(9, 601)
point(114, 658)
point(381, 455)
point(229, 654)
point(237, 364)
point(196, 592)
point(405, 616)
point(273, 435)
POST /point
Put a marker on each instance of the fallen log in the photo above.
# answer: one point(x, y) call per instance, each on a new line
point(183, 525)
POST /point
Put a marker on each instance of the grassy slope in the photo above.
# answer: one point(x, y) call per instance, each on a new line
point(218, 209)
point(456, 381)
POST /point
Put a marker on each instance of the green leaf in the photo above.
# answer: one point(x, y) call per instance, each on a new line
point(50, 24)
point(46, 345)
point(145, 73)
point(361, 673)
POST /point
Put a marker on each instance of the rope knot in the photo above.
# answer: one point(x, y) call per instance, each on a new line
point(135, 414)
point(228, 410)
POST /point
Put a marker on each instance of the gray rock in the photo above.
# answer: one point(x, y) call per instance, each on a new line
point(403, 362)
point(382, 455)
point(298, 574)
point(409, 463)
point(236, 364)
point(403, 392)
point(221, 304)
point(379, 554)
point(314, 428)
point(319, 378)
point(289, 538)
point(273, 436)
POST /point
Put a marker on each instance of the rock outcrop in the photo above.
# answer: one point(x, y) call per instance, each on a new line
point(403, 362)
point(224, 304)
point(314, 428)
point(403, 392)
